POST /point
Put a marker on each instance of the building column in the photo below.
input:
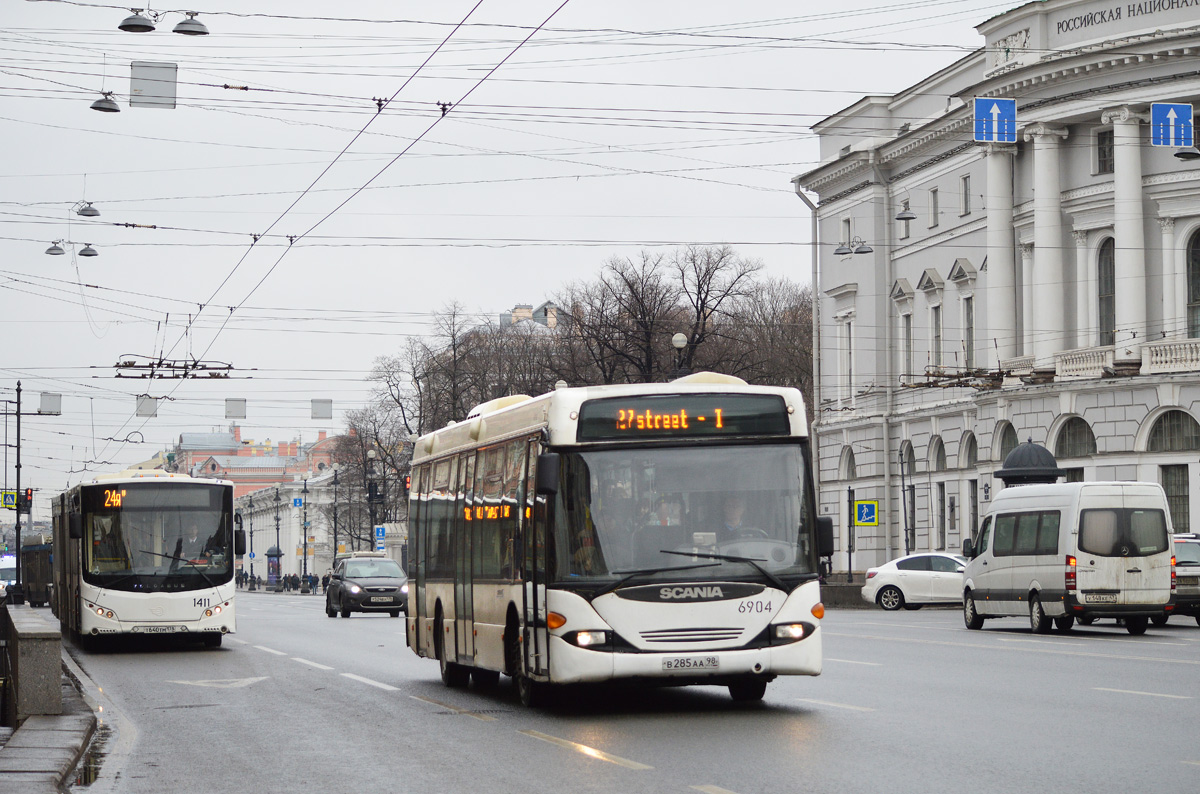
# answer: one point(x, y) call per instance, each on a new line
point(1129, 231)
point(1001, 337)
point(1084, 290)
point(1026, 299)
point(1174, 283)
point(1047, 287)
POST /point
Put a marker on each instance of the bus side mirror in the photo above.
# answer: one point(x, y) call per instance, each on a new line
point(547, 474)
point(239, 541)
point(75, 526)
point(824, 536)
point(968, 548)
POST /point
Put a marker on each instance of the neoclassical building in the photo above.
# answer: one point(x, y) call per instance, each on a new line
point(971, 296)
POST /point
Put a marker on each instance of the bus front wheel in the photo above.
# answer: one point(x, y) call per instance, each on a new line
point(453, 675)
point(748, 690)
point(533, 694)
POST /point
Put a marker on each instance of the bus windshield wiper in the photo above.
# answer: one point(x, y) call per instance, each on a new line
point(174, 559)
point(770, 577)
point(645, 571)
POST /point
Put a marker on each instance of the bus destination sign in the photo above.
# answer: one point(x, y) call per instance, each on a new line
point(682, 416)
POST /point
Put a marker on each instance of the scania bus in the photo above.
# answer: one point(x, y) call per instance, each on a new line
point(146, 552)
point(656, 533)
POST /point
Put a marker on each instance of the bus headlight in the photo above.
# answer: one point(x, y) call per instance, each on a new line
point(208, 613)
point(594, 640)
point(102, 612)
point(791, 632)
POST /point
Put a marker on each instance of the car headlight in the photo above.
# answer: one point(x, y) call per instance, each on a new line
point(404, 589)
point(354, 589)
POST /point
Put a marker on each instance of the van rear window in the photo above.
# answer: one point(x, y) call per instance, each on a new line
point(1123, 532)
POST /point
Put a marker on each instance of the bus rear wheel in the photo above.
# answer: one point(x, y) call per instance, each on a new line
point(748, 690)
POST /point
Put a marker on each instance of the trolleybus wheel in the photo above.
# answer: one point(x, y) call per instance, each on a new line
point(211, 639)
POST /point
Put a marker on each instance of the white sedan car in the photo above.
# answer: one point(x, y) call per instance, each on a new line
point(928, 578)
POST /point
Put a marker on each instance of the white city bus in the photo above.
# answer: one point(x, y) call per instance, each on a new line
point(657, 533)
point(146, 552)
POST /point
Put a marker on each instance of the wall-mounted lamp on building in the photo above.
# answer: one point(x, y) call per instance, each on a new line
point(855, 246)
point(137, 23)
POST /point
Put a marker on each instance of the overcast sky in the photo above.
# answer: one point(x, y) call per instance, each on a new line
point(619, 126)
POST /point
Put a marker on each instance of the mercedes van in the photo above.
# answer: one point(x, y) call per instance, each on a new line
point(1071, 550)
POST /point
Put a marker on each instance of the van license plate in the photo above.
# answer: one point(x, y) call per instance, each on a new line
point(681, 663)
point(1100, 598)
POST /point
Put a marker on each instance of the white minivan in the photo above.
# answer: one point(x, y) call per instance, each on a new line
point(1071, 550)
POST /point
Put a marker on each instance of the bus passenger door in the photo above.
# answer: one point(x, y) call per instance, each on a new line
point(464, 618)
point(536, 636)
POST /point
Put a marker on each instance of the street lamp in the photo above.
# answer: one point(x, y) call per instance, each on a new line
point(372, 488)
point(143, 21)
point(335, 506)
point(278, 548)
point(304, 588)
point(679, 342)
point(250, 503)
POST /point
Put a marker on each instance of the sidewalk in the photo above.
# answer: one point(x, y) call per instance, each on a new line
point(40, 756)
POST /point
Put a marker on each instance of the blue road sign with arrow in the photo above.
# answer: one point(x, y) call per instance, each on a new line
point(380, 533)
point(1171, 125)
point(995, 120)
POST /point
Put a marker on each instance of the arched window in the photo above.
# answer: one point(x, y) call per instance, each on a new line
point(847, 469)
point(1107, 291)
point(968, 456)
point(1175, 431)
point(1193, 286)
point(1008, 440)
point(937, 454)
point(1075, 440)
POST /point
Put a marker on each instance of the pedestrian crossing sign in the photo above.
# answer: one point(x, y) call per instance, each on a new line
point(10, 500)
point(866, 513)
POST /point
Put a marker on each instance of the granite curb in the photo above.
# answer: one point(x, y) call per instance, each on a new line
point(43, 751)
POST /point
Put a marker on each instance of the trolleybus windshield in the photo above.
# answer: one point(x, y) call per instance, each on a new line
point(622, 510)
point(149, 537)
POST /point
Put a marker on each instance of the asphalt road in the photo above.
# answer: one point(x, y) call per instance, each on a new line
point(908, 702)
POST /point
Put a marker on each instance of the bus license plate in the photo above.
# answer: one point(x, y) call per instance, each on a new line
point(1100, 598)
point(156, 629)
point(379, 599)
point(683, 663)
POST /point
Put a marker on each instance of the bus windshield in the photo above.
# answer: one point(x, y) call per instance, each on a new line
point(149, 537)
point(638, 510)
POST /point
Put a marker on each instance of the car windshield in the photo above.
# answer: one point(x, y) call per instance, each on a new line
point(621, 511)
point(367, 569)
point(1187, 553)
point(152, 536)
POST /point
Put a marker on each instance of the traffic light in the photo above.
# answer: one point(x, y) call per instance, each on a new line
point(25, 501)
point(407, 483)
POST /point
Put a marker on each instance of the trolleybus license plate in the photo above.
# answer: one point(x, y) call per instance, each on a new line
point(678, 663)
point(156, 629)
point(1100, 598)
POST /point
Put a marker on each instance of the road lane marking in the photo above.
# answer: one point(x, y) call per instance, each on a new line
point(235, 639)
point(1194, 763)
point(223, 683)
point(713, 790)
point(270, 650)
point(588, 751)
point(1019, 647)
point(835, 705)
point(1136, 692)
point(379, 684)
point(1081, 641)
point(850, 661)
point(455, 709)
point(311, 664)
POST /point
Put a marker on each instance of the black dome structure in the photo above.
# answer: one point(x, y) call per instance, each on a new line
point(1029, 464)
